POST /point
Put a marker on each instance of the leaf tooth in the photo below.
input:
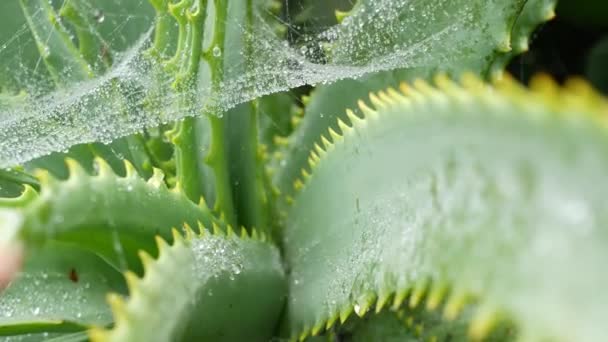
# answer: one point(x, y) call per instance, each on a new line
point(454, 305)
point(229, 231)
point(315, 156)
point(436, 295)
point(177, 188)
point(305, 175)
point(333, 318)
point(189, 231)
point(318, 327)
point(484, 320)
point(355, 121)
point(102, 166)
point(368, 112)
point(419, 329)
point(384, 97)
point(298, 184)
point(345, 312)
point(423, 87)
point(364, 304)
point(295, 121)
point(118, 307)
point(130, 169)
point(97, 334)
point(45, 178)
point(304, 334)
point(132, 280)
point(202, 203)
point(445, 83)
point(396, 96)
point(202, 230)
point(216, 229)
point(157, 179)
point(289, 199)
point(75, 169)
point(280, 141)
point(400, 297)
point(244, 234)
point(376, 101)
point(305, 100)
point(344, 128)
point(254, 234)
point(418, 292)
point(177, 236)
point(470, 81)
point(161, 243)
point(327, 144)
point(320, 151)
point(383, 299)
point(335, 137)
point(407, 90)
point(146, 259)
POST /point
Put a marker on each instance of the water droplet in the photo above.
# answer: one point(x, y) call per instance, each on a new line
point(36, 311)
point(99, 16)
point(217, 52)
point(357, 309)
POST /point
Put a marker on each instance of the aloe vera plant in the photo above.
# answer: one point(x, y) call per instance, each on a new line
point(423, 196)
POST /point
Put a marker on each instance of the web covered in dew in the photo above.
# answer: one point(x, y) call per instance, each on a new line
point(38, 117)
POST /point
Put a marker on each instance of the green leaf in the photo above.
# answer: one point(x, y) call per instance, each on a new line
point(494, 194)
point(329, 102)
point(223, 288)
point(56, 49)
point(111, 215)
point(534, 13)
point(62, 288)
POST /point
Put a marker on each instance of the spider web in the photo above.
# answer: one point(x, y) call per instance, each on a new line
point(37, 118)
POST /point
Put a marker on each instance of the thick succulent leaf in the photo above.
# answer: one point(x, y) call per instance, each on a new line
point(496, 194)
point(56, 48)
point(534, 13)
point(62, 288)
point(413, 325)
point(324, 105)
point(221, 288)
point(328, 102)
point(111, 215)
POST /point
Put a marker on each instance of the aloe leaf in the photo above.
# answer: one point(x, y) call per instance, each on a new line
point(56, 48)
point(328, 102)
point(325, 104)
point(534, 13)
point(111, 215)
point(472, 189)
point(218, 282)
point(61, 288)
point(18, 50)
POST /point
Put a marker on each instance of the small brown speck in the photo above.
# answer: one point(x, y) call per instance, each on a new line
point(73, 275)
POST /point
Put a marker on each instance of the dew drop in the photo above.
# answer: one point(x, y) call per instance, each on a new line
point(217, 52)
point(99, 16)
